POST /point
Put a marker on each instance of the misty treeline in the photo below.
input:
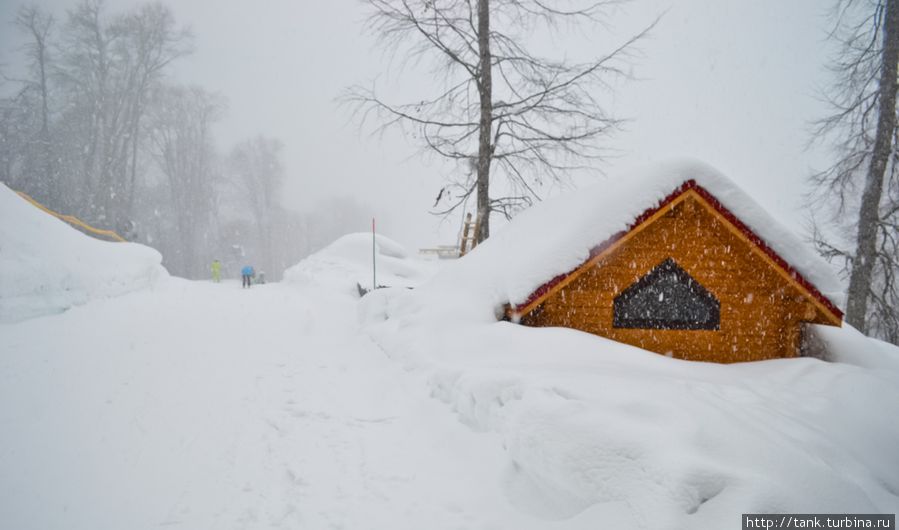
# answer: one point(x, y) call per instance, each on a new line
point(93, 126)
point(856, 200)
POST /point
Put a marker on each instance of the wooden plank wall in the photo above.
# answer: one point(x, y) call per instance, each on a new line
point(761, 312)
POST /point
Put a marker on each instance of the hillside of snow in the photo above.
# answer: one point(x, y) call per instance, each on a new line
point(46, 266)
point(592, 428)
point(299, 405)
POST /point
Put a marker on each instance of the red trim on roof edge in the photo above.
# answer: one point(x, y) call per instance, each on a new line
point(720, 208)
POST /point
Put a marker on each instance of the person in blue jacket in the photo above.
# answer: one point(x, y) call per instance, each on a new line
point(246, 274)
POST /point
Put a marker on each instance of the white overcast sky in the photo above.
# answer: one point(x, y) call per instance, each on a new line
point(734, 83)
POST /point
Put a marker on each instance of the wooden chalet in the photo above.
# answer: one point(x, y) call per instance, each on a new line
point(688, 279)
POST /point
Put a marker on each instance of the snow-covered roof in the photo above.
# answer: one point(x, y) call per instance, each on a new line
point(557, 236)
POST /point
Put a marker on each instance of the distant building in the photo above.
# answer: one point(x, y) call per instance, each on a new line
point(689, 277)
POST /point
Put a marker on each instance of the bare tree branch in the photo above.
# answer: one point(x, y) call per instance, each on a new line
point(860, 188)
point(503, 110)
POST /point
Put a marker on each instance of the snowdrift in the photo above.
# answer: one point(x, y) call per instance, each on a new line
point(600, 434)
point(604, 435)
point(46, 266)
point(348, 261)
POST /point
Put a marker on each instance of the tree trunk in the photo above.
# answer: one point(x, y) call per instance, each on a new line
point(135, 131)
point(866, 242)
point(485, 126)
point(46, 153)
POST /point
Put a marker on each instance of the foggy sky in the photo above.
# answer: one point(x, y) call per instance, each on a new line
point(732, 83)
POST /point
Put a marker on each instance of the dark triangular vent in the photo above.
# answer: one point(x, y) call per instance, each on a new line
point(666, 298)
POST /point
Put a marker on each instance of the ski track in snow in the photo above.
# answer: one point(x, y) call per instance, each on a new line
point(207, 406)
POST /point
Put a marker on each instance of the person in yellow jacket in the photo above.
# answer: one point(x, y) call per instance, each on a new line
point(216, 271)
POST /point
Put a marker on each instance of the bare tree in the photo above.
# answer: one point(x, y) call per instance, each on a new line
point(179, 125)
point(107, 68)
point(15, 127)
point(86, 77)
point(862, 184)
point(258, 174)
point(150, 41)
point(503, 109)
point(38, 161)
point(135, 151)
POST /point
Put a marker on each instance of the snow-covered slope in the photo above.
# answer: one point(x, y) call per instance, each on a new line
point(46, 266)
point(196, 405)
point(589, 424)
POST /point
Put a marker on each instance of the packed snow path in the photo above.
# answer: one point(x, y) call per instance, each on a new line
point(208, 406)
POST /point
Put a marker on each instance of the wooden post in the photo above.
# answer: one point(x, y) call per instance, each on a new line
point(374, 276)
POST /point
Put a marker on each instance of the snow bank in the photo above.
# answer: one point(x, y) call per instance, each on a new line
point(588, 423)
point(848, 345)
point(556, 236)
point(592, 427)
point(46, 266)
point(348, 261)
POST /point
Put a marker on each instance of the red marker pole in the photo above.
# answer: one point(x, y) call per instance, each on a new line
point(374, 277)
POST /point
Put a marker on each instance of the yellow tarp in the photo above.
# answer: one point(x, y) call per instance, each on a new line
point(74, 221)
